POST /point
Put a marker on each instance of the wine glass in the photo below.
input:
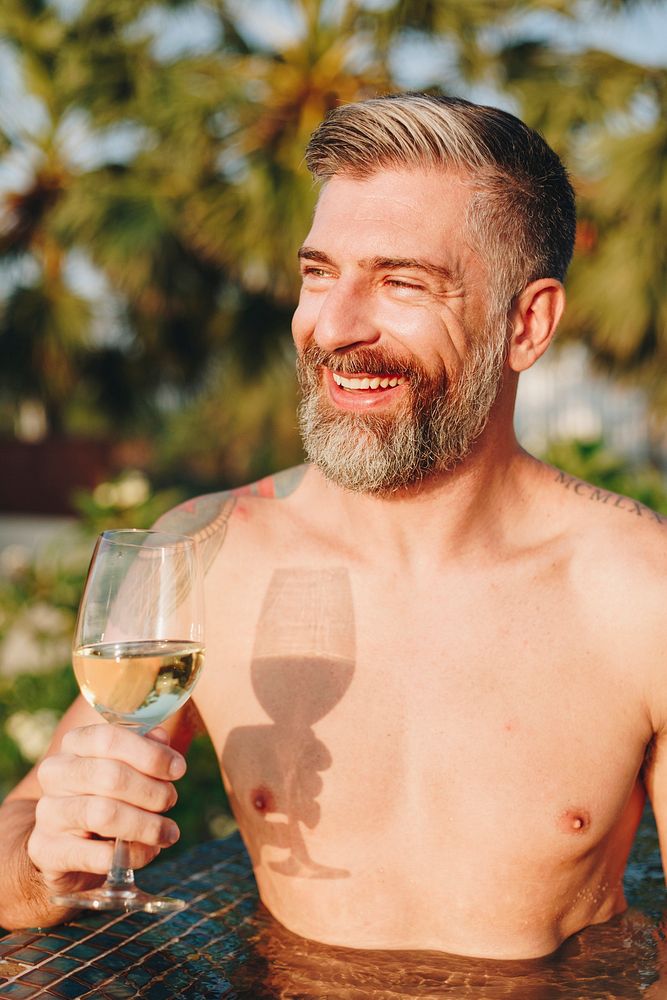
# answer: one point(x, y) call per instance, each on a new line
point(137, 653)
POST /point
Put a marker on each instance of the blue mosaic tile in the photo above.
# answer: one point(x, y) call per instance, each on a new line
point(158, 991)
point(213, 984)
point(188, 892)
point(17, 991)
point(61, 965)
point(159, 962)
point(112, 963)
point(83, 952)
point(123, 928)
point(183, 948)
point(230, 943)
point(70, 932)
point(226, 895)
point(197, 939)
point(141, 919)
point(138, 976)
point(135, 949)
point(208, 905)
point(68, 989)
point(16, 940)
point(52, 944)
point(103, 941)
point(30, 955)
point(40, 977)
point(177, 979)
point(116, 991)
point(184, 920)
point(111, 933)
point(91, 975)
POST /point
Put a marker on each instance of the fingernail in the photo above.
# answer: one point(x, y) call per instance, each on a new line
point(177, 767)
point(173, 834)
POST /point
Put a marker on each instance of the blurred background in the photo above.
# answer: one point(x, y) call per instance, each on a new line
point(152, 198)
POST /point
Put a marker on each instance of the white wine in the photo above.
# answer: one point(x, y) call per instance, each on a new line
point(138, 684)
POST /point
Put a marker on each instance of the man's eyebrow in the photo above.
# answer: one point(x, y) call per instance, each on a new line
point(385, 263)
point(412, 263)
point(309, 253)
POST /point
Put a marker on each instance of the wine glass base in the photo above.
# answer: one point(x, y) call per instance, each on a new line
point(128, 900)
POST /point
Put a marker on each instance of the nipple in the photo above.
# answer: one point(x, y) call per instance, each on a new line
point(574, 820)
point(262, 799)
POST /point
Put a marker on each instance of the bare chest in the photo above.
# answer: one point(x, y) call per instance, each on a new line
point(353, 717)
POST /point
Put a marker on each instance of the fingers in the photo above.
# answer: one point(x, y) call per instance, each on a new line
point(150, 756)
point(68, 774)
point(104, 817)
point(54, 856)
point(106, 782)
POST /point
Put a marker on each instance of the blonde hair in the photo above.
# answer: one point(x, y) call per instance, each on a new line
point(521, 217)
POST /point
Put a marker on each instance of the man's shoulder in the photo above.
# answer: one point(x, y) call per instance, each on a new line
point(619, 511)
point(611, 531)
point(613, 552)
point(207, 517)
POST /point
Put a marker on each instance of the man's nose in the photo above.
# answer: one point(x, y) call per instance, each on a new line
point(345, 319)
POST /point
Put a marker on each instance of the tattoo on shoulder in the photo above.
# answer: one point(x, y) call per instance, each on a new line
point(206, 517)
point(275, 487)
point(590, 492)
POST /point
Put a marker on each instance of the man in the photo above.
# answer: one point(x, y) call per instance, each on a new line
point(433, 663)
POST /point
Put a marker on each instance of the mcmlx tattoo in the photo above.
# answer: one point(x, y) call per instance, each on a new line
point(584, 489)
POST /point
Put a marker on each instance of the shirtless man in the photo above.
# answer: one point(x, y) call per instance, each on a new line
point(433, 662)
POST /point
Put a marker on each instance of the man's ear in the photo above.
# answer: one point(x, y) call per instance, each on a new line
point(535, 316)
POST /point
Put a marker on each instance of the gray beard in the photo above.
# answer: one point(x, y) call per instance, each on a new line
point(432, 431)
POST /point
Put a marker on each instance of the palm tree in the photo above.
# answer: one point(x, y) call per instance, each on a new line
point(186, 189)
point(608, 117)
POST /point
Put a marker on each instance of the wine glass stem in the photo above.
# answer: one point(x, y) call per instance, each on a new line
point(121, 875)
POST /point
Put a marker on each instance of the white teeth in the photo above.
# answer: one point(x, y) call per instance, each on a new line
point(366, 383)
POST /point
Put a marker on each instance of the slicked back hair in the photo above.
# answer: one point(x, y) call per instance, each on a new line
point(521, 216)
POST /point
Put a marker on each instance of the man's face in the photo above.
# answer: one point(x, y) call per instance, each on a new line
point(399, 357)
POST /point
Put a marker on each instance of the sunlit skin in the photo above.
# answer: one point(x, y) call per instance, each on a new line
point(432, 709)
point(416, 300)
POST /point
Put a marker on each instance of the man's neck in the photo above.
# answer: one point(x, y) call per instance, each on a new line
point(469, 509)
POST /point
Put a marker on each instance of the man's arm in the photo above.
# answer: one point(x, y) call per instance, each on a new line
point(95, 781)
point(101, 781)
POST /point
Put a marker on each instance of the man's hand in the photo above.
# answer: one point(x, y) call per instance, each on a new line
point(105, 782)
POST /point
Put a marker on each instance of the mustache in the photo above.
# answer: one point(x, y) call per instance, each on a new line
point(364, 361)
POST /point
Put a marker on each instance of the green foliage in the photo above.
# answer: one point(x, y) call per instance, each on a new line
point(606, 116)
point(29, 694)
point(126, 502)
point(179, 177)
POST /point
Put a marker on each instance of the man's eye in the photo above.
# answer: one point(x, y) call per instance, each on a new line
point(314, 272)
point(402, 283)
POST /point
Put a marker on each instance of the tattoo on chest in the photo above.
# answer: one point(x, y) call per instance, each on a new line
point(590, 492)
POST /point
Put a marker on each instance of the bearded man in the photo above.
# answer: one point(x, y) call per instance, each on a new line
point(433, 662)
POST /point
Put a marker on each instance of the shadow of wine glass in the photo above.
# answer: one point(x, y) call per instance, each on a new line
point(302, 665)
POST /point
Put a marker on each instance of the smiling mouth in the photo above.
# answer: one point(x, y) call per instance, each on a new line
point(366, 382)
